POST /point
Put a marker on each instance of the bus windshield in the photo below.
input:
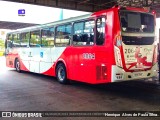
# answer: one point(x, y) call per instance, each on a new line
point(136, 22)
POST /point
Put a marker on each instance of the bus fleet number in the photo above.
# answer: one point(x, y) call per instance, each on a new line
point(88, 56)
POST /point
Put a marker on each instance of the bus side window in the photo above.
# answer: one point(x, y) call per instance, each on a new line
point(83, 33)
point(63, 35)
point(100, 31)
point(16, 40)
point(48, 37)
point(35, 40)
point(25, 39)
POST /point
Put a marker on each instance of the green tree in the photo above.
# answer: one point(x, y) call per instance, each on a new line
point(1, 47)
point(1, 44)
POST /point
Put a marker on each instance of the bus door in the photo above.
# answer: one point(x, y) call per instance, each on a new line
point(25, 55)
point(34, 60)
point(46, 59)
point(25, 52)
point(35, 46)
point(47, 51)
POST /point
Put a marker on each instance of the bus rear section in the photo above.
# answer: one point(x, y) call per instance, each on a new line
point(135, 49)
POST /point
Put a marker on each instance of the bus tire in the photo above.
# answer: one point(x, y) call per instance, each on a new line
point(17, 66)
point(61, 73)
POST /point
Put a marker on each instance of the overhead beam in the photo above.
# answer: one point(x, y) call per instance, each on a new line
point(65, 4)
point(14, 25)
point(92, 5)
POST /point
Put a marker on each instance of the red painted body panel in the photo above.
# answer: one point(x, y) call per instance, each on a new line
point(50, 72)
point(22, 66)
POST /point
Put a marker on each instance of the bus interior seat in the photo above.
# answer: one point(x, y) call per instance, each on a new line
point(84, 37)
point(75, 38)
point(91, 38)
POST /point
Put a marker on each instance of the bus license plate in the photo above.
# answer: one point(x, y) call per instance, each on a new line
point(138, 74)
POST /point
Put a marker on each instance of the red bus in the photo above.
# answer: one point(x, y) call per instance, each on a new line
point(117, 44)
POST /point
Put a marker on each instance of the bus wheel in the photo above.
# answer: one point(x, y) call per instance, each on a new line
point(61, 73)
point(17, 65)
